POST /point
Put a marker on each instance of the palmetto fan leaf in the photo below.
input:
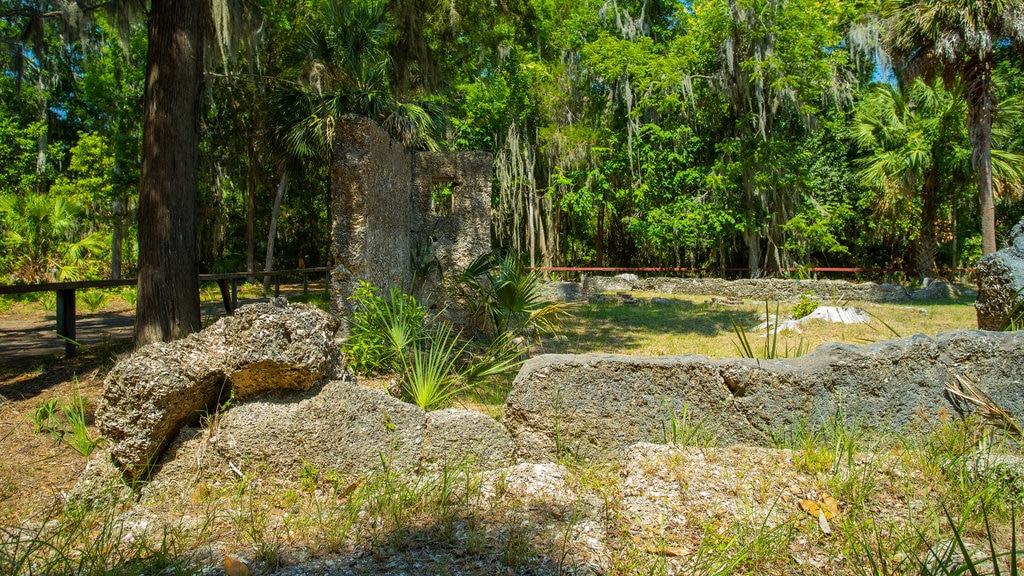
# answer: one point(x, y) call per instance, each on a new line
point(956, 40)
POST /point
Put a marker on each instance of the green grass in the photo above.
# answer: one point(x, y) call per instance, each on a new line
point(688, 326)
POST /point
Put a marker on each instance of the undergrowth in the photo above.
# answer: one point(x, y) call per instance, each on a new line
point(955, 510)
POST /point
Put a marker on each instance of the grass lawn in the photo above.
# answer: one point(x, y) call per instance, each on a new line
point(689, 326)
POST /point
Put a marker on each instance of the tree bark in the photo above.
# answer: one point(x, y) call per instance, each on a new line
point(272, 234)
point(250, 217)
point(927, 246)
point(168, 296)
point(980, 106)
point(115, 242)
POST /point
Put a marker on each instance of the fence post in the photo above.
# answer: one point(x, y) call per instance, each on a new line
point(305, 284)
point(66, 320)
point(277, 285)
point(234, 293)
point(225, 295)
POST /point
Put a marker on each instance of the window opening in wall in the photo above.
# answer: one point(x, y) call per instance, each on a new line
point(441, 197)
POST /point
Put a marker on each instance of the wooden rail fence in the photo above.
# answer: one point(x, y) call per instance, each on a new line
point(228, 284)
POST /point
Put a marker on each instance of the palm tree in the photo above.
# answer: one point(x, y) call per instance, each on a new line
point(344, 68)
point(914, 135)
point(957, 39)
point(46, 238)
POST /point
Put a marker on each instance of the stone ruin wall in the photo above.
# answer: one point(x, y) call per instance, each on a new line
point(453, 240)
point(384, 223)
point(765, 289)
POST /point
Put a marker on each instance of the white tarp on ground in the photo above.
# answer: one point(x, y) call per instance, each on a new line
point(842, 314)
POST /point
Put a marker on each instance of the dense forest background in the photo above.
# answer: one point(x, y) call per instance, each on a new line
point(759, 134)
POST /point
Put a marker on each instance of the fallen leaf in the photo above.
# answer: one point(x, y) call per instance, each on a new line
point(350, 489)
point(233, 567)
point(823, 522)
point(201, 493)
point(831, 504)
point(813, 508)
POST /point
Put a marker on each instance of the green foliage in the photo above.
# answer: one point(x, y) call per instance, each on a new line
point(46, 238)
point(93, 299)
point(382, 329)
point(392, 335)
point(805, 306)
point(430, 372)
point(67, 424)
point(505, 298)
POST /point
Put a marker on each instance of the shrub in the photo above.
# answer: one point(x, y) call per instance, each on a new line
point(504, 297)
point(805, 306)
point(382, 329)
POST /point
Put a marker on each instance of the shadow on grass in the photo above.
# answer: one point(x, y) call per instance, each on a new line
point(611, 326)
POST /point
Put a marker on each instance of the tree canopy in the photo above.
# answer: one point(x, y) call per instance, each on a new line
point(765, 135)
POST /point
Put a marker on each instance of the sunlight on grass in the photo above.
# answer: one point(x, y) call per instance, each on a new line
point(688, 326)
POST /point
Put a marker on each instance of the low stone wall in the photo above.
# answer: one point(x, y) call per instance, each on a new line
point(598, 405)
point(771, 289)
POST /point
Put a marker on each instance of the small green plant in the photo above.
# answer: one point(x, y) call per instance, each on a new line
point(382, 329)
point(76, 435)
point(431, 377)
point(309, 476)
point(805, 306)
point(129, 295)
point(676, 429)
point(770, 350)
point(93, 299)
point(67, 424)
point(44, 419)
point(1015, 318)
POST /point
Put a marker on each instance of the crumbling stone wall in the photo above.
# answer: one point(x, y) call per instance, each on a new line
point(388, 229)
point(445, 240)
point(772, 288)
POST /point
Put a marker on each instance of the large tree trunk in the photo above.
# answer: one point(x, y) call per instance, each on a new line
point(168, 297)
point(980, 106)
point(927, 246)
point(272, 234)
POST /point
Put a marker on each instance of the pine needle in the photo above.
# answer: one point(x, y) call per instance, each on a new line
point(986, 407)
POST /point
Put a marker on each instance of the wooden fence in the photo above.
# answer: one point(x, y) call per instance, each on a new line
point(228, 284)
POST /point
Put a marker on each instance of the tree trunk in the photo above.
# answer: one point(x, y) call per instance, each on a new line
point(272, 234)
point(168, 297)
point(250, 217)
point(927, 246)
point(980, 106)
point(599, 248)
point(43, 141)
point(115, 242)
point(753, 241)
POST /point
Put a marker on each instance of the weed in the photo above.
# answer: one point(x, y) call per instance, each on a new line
point(430, 375)
point(676, 429)
point(44, 419)
point(76, 435)
point(129, 295)
point(770, 351)
point(67, 425)
point(93, 299)
point(309, 476)
point(805, 306)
